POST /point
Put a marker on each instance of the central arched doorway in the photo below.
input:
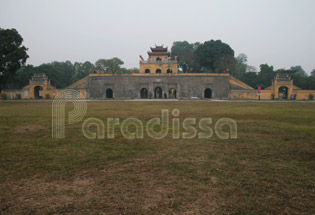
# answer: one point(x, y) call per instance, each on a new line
point(38, 92)
point(208, 93)
point(158, 93)
point(283, 92)
point(144, 93)
point(109, 93)
point(172, 93)
point(158, 71)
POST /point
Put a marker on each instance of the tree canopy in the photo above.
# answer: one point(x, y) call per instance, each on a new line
point(13, 55)
point(63, 74)
point(186, 57)
point(111, 66)
point(267, 73)
point(215, 56)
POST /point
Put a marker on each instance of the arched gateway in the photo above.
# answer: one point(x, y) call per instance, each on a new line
point(208, 93)
point(283, 92)
point(158, 93)
point(144, 93)
point(38, 92)
point(172, 93)
point(109, 93)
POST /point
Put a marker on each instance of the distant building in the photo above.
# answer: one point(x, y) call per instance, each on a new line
point(159, 62)
point(158, 78)
point(282, 88)
point(38, 88)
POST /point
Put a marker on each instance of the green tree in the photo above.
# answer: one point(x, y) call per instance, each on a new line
point(82, 70)
point(186, 57)
point(60, 74)
point(65, 71)
point(13, 55)
point(251, 69)
point(125, 71)
point(298, 79)
point(266, 75)
point(136, 70)
point(241, 66)
point(309, 83)
point(298, 70)
point(111, 66)
point(23, 75)
point(215, 56)
point(313, 73)
point(252, 79)
point(225, 63)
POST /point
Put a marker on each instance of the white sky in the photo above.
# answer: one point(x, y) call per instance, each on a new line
point(278, 32)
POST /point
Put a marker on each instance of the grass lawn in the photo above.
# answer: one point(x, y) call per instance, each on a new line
point(268, 169)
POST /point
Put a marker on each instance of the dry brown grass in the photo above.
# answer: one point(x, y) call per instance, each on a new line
point(29, 128)
point(269, 169)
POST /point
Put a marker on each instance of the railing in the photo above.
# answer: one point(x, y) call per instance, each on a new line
point(158, 61)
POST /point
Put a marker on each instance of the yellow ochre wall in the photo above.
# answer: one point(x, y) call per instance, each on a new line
point(154, 66)
point(13, 94)
point(303, 94)
point(251, 94)
point(267, 94)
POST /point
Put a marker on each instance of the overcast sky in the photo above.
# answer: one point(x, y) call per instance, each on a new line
point(277, 32)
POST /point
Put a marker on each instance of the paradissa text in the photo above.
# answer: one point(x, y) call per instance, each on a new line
point(159, 128)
